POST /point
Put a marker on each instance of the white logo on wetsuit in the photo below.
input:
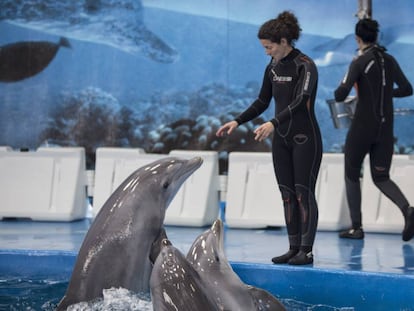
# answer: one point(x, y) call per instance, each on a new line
point(307, 81)
point(368, 67)
point(277, 78)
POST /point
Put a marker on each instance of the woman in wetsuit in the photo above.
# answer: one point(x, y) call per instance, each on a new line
point(373, 73)
point(291, 79)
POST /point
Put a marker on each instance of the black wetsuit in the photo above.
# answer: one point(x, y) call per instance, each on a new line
point(297, 143)
point(373, 74)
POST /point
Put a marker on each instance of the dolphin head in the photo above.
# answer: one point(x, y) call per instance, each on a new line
point(207, 251)
point(158, 182)
point(175, 285)
point(146, 193)
point(167, 252)
point(167, 176)
point(168, 266)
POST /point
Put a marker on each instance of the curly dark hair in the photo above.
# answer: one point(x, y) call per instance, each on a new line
point(285, 25)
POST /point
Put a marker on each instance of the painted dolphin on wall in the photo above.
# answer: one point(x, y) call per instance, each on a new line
point(207, 257)
point(25, 59)
point(117, 23)
point(340, 51)
point(175, 285)
point(117, 246)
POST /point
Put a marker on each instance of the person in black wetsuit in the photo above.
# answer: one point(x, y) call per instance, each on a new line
point(373, 73)
point(291, 78)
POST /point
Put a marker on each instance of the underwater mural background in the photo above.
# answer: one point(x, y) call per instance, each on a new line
point(165, 74)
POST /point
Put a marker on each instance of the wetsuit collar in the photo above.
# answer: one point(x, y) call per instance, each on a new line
point(373, 46)
point(367, 48)
point(292, 54)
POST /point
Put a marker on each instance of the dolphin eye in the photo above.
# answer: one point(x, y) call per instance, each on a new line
point(166, 185)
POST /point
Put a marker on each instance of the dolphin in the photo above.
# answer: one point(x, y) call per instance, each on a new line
point(207, 257)
point(117, 247)
point(116, 23)
point(25, 59)
point(175, 285)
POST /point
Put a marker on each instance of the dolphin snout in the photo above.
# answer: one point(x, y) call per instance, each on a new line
point(197, 161)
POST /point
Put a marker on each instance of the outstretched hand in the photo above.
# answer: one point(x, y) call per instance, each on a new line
point(227, 128)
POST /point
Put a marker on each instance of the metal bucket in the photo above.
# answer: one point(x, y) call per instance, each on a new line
point(342, 113)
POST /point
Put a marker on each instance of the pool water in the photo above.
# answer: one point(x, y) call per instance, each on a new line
point(37, 259)
point(30, 294)
point(42, 294)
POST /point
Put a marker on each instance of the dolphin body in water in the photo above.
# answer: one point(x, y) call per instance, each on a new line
point(207, 257)
point(117, 247)
point(25, 59)
point(175, 285)
point(117, 23)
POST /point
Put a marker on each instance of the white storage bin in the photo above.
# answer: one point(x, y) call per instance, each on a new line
point(380, 214)
point(254, 200)
point(253, 196)
point(197, 201)
point(47, 184)
point(331, 194)
point(112, 167)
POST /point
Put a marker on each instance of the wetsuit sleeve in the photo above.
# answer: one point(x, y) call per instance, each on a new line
point(347, 82)
point(404, 87)
point(307, 83)
point(261, 103)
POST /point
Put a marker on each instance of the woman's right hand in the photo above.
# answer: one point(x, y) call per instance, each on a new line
point(227, 128)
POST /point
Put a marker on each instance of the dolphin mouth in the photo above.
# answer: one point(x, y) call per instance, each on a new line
point(182, 170)
point(217, 230)
point(194, 163)
point(217, 227)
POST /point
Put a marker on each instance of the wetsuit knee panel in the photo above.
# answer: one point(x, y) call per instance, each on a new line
point(287, 194)
point(301, 192)
point(379, 174)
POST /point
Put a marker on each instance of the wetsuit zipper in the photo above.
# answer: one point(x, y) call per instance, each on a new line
point(382, 89)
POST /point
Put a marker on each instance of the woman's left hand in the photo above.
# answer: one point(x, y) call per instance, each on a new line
point(263, 131)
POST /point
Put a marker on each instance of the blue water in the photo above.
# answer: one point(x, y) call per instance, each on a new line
point(40, 293)
point(44, 294)
point(30, 294)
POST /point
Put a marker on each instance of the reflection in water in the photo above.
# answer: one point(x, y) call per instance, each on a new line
point(352, 249)
point(408, 255)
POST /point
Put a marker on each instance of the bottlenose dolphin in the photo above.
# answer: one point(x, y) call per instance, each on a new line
point(207, 257)
point(117, 23)
point(117, 246)
point(175, 285)
point(25, 59)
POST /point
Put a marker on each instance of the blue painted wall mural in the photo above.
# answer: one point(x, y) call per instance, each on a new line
point(164, 74)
